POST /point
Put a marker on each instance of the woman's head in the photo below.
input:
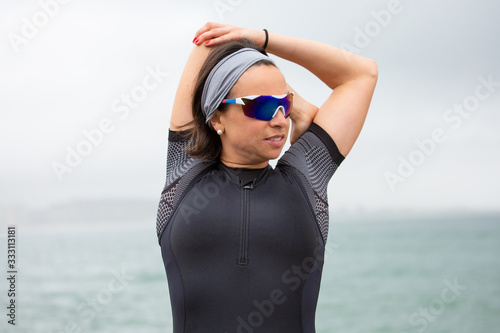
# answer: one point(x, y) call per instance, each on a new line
point(244, 141)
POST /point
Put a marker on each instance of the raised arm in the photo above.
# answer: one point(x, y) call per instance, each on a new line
point(351, 77)
point(182, 108)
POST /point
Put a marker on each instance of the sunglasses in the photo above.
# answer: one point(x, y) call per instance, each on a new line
point(264, 107)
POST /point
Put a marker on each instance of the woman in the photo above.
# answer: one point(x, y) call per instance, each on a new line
point(243, 243)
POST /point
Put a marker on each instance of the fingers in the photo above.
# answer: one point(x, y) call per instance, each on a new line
point(214, 33)
point(207, 27)
point(207, 30)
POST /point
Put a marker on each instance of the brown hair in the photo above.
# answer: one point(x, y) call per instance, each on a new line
point(204, 141)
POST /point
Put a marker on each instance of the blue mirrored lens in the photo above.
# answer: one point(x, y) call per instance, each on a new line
point(265, 107)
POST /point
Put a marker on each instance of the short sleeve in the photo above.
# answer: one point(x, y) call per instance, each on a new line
point(178, 161)
point(181, 168)
point(314, 158)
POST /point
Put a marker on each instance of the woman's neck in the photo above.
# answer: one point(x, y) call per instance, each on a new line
point(233, 164)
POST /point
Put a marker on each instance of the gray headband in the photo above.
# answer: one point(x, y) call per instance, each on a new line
point(223, 77)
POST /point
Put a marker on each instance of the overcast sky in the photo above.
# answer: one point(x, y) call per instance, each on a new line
point(65, 70)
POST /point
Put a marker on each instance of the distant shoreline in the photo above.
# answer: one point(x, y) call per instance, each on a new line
point(148, 223)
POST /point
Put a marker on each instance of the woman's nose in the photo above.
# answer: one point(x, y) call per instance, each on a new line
point(279, 117)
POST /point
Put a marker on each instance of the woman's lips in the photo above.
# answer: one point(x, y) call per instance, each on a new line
point(276, 140)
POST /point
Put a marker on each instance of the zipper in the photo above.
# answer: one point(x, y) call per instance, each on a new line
point(243, 257)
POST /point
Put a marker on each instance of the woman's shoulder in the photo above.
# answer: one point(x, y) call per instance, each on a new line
point(314, 147)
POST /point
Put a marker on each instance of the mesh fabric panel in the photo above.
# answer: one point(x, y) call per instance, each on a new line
point(181, 171)
point(314, 163)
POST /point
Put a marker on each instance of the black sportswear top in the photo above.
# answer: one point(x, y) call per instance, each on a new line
point(243, 249)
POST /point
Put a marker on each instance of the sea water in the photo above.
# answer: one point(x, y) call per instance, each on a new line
point(423, 275)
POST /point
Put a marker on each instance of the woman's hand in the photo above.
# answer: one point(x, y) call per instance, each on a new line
point(302, 115)
point(217, 33)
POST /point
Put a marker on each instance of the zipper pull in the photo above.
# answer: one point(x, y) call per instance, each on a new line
point(248, 186)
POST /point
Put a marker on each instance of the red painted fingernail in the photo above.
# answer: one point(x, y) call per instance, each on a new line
point(196, 40)
point(207, 42)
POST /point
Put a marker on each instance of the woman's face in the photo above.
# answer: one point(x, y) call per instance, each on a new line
point(249, 142)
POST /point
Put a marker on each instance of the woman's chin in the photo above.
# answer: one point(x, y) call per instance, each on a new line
point(275, 154)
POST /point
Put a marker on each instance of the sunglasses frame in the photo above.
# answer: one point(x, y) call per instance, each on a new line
point(241, 101)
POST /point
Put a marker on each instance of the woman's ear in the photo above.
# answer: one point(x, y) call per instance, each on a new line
point(216, 121)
